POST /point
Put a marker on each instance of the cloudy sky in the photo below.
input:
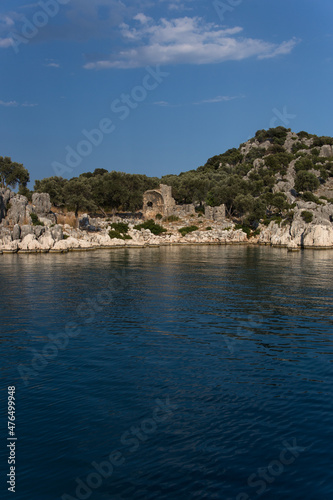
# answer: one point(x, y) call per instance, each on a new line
point(157, 87)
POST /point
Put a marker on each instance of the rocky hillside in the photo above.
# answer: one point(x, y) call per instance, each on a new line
point(277, 189)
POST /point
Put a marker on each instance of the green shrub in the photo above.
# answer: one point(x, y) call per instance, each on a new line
point(208, 228)
point(116, 234)
point(200, 209)
point(307, 216)
point(187, 229)
point(244, 228)
point(304, 135)
point(308, 196)
point(200, 215)
point(321, 141)
point(152, 226)
point(298, 146)
point(304, 163)
point(172, 218)
point(158, 216)
point(65, 236)
point(306, 181)
point(120, 227)
point(35, 221)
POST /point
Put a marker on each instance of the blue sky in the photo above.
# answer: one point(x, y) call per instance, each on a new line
point(157, 87)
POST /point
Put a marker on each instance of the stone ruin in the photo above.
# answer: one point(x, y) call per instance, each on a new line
point(216, 214)
point(160, 201)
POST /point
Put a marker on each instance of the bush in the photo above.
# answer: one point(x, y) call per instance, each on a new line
point(187, 229)
point(308, 196)
point(321, 141)
point(120, 227)
point(304, 135)
point(35, 221)
point(304, 163)
point(200, 209)
point(307, 216)
point(152, 226)
point(208, 228)
point(116, 234)
point(297, 146)
point(158, 216)
point(306, 181)
point(172, 218)
point(65, 236)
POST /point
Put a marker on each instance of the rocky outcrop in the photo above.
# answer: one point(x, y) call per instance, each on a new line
point(41, 204)
point(5, 196)
point(18, 212)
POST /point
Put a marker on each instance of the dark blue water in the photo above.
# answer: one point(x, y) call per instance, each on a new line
point(171, 373)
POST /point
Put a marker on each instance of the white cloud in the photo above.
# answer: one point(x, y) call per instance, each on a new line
point(52, 65)
point(15, 104)
point(186, 40)
point(213, 100)
point(9, 104)
point(220, 98)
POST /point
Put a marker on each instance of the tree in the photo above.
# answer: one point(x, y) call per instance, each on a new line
point(244, 203)
point(77, 196)
point(306, 181)
point(12, 173)
point(55, 187)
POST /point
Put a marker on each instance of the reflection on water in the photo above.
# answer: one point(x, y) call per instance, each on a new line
point(237, 339)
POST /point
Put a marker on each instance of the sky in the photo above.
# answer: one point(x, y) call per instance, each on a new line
point(157, 87)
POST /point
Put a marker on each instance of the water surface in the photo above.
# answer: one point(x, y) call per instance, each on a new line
point(206, 369)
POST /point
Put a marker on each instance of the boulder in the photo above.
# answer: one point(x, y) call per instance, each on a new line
point(41, 204)
point(29, 243)
point(16, 232)
point(57, 233)
point(17, 214)
point(5, 195)
point(10, 247)
point(46, 241)
point(38, 231)
point(25, 230)
point(326, 151)
point(318, 236)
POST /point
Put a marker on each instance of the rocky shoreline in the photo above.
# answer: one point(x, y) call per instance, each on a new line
point(63, 238)
point(33, 228)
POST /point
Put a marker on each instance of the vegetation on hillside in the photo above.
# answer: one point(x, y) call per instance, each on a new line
point(251, 180)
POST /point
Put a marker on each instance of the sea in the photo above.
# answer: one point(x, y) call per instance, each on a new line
point(186, 372)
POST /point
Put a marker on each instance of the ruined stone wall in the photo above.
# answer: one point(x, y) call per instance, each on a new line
point(216, 214)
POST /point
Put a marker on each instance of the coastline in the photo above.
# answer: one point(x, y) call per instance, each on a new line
point(161, 244)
